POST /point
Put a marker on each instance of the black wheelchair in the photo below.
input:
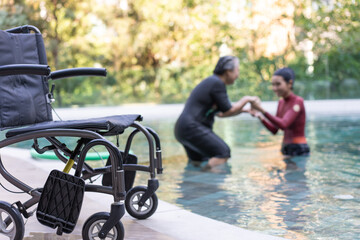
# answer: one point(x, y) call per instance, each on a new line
point(26, 114)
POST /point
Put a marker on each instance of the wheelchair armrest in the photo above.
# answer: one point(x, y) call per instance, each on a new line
point(19, 69)
point(75, 72)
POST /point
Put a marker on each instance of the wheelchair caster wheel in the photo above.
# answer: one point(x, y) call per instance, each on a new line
point(11, 222)
point(132, 206)
point(94, 223)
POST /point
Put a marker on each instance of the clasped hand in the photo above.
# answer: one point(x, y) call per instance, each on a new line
point(255, 109)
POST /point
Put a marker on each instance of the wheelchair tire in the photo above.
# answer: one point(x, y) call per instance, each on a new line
point(133, 197)
point(11, 222)
point(94, 223)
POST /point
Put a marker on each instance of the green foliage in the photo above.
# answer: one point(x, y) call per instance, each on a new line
point(157, 52)
point(12, 15)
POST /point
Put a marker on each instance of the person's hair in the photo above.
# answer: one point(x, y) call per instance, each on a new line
point(224, 64)
point(287, 74)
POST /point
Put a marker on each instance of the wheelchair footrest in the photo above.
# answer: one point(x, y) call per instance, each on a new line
point(60, 201)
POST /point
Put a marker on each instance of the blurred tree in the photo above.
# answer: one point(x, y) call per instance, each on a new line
point(156, 51)
point(11, 13)
point(329, 32)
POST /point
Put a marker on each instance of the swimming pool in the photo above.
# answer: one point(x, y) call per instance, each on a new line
point(305, 198)
point(308, 198)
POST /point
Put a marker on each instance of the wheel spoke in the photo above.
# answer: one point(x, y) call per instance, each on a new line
point(2, 223)
point(138, 208)
point(135, 202)
point(11, 222)
point(135, 206)
point(3, 226)
point(11, 233)
point(112, 236)
point(98, 227)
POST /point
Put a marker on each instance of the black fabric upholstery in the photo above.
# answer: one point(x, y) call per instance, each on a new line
point(106, 126)
point(23, 97)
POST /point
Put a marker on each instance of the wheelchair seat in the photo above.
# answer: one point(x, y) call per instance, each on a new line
point(26, 114)
point(106, 126)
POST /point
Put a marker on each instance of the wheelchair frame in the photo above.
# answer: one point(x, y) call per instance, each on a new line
point(87, 140)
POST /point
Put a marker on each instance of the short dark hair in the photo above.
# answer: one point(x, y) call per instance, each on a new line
point(286, 73)
point(225, 63)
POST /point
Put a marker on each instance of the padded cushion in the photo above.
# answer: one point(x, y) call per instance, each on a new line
point(106, 126)
point(23, 97)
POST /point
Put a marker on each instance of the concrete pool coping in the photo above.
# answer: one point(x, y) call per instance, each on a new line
point(168, 222)
point(171, 111)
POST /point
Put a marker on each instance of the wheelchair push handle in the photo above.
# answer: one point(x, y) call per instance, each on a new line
point(75, 72)
point(23, 29)
point(19, 69)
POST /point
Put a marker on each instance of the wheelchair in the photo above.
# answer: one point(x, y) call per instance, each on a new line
point(26, 114)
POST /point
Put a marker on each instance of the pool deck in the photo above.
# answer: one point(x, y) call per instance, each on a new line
point(168, 222)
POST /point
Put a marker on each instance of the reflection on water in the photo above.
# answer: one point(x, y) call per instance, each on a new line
point(287, 194)
point(294, 198)
point(201, 190)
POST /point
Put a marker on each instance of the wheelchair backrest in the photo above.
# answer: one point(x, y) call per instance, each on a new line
point(23, 98)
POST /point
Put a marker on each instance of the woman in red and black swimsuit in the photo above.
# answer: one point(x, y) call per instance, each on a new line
point(290, 115)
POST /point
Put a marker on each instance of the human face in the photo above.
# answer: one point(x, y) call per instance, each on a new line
point(280, 86)
point(232, 75)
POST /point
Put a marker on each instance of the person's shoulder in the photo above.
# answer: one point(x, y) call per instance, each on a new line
point(207, 80)
point(213, 79)
point(299, 99)
point(207, 85)
point(213, 82)
point(299, 103)
point(216, 81)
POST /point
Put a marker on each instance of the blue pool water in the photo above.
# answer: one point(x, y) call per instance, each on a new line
point(314, 197)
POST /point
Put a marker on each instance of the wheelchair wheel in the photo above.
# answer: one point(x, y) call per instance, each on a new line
point(132, 207)
point(11, 222)
point(94, 223)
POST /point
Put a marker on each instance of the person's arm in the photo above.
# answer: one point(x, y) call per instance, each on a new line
point(284, 122)
point(224, 106)
point(281, 122)
point(237, 107)
point(271, 127)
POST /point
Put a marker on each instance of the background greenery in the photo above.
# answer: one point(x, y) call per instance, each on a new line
point(158, 50)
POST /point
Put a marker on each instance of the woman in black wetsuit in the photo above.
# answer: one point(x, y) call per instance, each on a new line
point(193, 129)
